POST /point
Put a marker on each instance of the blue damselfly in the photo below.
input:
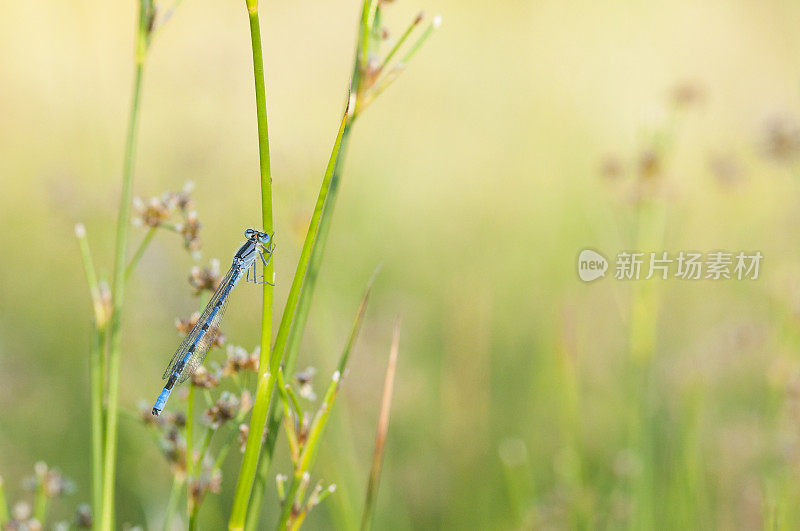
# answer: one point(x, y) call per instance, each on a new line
point(192, 351)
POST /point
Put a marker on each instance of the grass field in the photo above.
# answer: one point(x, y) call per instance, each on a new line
point(520, 134)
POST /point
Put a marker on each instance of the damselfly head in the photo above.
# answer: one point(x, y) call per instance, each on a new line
point(255, 235)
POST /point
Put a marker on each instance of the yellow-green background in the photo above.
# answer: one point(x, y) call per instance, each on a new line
point(475, 180)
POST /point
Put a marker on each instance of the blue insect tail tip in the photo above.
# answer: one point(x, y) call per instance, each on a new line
point(161, 401)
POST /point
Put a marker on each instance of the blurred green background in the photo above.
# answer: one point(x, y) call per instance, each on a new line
point(513, 141)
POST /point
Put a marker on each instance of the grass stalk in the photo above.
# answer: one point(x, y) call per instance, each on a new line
point(296, 294)
point(295, 315)
point(258, 417)
point(400, 42)
point(140, 252)
point(4, 515)
point(174, 498)
point(118, 290)
point(309, 451)
point(190, 444)
point(381, 431)
point(100, 316)
point(96, 367)
point(97, 376)
point(398, 69)
point(296, 311)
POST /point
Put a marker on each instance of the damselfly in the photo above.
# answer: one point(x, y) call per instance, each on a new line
point(192, 351)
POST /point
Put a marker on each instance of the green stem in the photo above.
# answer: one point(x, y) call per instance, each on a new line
point(296, 301)
point(204, 447)
point(4, 516)
point(190, 445)
point(309, 451)
point(174, 498)
point(100, 316)
point(263, 388)
point(193, 517)
point(399, 43)
point(96, 368)
point(118, 290)
point(139, 252)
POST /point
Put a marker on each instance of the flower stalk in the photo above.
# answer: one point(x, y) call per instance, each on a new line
point(295, 315)
point(145, 26)
point(265, 379)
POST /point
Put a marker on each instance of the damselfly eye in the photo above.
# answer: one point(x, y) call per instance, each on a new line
point(249, 234)
point(264, 238)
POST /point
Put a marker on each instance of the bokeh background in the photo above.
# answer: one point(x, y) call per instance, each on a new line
point(522, 133)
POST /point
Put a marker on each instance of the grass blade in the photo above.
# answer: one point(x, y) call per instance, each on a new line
point(380, 434)
point(96, 368)
point(247, 471)
point(106, 517)
point(307, 455)
point(295, 295)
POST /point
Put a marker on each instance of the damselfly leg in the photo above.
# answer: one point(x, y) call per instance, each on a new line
point(261, 251)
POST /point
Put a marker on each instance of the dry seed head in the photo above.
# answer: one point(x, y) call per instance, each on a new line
point(84, 517)
point(203, 378)
point(304, 380)
point(781, 138)
point(611, 167)
point(205, 279)
point(152, 213)
point(190, 230)
point(687, 94)
point(222, 411)
point(239, 359)
point(185, 325)
point(649, 165)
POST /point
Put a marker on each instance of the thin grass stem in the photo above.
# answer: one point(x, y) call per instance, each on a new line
point(258, 416)
point(297, 293)
point(118, 290)
point(4, 514)
point(190, 443)
point(381, 431)
point(174, 497)
point(309, 451)
point(414, 23)
point(96, 367)
point(100, 316)
point(398, 69)
point(140, 252)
